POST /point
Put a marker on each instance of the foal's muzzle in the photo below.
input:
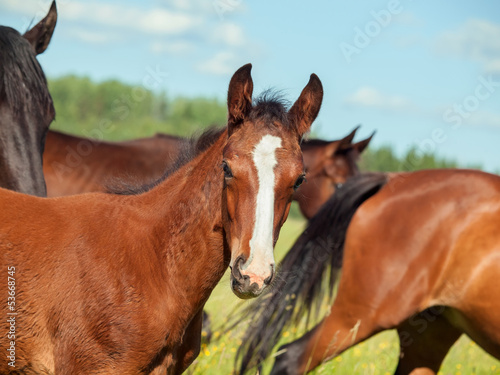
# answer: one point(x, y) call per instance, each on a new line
point(246, 284)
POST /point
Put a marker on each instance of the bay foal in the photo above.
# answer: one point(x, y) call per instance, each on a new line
point(26, 108)
point(116, 284)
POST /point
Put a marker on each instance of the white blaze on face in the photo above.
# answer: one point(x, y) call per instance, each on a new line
point(261, 245)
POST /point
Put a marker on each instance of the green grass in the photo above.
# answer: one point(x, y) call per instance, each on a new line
point(379, 356)
point(376, 356)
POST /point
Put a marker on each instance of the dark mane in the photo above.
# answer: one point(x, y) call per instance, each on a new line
point(22, 82)
point(314, 142)
point(192, 148)
point(271, 106)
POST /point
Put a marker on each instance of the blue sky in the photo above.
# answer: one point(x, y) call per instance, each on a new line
point(421, 73)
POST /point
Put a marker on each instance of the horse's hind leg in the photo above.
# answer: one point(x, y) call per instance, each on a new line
point(367, 303)
point(336, 333)
point(425, 339)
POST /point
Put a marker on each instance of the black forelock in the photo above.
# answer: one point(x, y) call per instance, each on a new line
point(271, 106)
point(22, 82)
point(314, 142)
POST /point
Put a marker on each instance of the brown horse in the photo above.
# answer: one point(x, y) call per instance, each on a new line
point(328, 166)
point(26, 108)
point(75, 165)
point(106, 283)
point(421, 255)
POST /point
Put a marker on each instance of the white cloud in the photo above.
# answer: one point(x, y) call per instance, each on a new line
point(223, 63)
point(492, 66)
point(92, 36)
point(153, 21)
point(200, 6)
point(27, 7)
point(182, 4)
point(219, 9)
point(32, 11)
point(229, 34)
point(172, 47)
point(372, 98)
point(157, 20)
point(175, 26)
point(483, 118)
point(476, 39)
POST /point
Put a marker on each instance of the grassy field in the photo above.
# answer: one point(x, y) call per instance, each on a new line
point(376, 356)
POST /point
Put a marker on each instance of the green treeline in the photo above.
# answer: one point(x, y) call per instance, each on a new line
point(383, 159)
point(129, 112)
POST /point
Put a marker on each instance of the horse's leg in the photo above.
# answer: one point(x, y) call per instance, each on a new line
point(368, 301)
point(190, 347)
point(344, 327)
point(206, 328)
point(425, 339)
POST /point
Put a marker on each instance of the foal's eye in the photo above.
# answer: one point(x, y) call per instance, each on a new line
point(299, 182)
point(227, 170)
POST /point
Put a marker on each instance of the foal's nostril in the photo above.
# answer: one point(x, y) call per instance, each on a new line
point(236, 269)
point(270, 278)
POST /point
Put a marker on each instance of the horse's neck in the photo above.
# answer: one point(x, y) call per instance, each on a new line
point(21, 156)
point(189, 226)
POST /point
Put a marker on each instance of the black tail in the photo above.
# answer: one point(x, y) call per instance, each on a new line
point(300, 289)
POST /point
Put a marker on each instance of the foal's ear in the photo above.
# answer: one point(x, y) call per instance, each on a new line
point(239, 97)
point(306, 108)
point(39, 36)
point(361, 145)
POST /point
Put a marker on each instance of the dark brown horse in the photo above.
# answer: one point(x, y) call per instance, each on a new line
point(421, 254)
point(106, 283)
point(26, 108)
point(75, 165)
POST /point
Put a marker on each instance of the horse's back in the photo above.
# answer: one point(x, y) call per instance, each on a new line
point(434, 235)
point(75, 165)
point(421, 196)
